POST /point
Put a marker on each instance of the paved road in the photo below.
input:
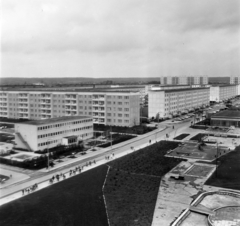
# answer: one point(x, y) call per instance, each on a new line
point(14, 191)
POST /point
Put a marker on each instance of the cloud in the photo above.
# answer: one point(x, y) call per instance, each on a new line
point(114, 38)
point(208, 15)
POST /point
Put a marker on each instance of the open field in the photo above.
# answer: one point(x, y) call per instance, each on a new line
point(73, 202)
point(227, 174)
point(133, 183)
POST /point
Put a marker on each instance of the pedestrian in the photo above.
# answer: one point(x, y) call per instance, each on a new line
point(94, 161)
point(149, 141)
point(23, 192)
point(173, 127)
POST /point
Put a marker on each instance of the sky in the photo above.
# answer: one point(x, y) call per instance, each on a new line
point(120, 38)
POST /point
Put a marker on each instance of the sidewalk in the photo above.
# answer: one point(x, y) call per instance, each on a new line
point(14, 193)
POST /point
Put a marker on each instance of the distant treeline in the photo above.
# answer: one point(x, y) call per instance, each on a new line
point(36, 82)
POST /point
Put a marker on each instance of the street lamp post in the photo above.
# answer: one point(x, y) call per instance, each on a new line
point(111, 137)
point(48, 152)
point(217, 161)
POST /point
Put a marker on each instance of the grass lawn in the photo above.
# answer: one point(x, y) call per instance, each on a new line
point(227, 175)
point(133, 182)
point(75, 201)
point(181, 136)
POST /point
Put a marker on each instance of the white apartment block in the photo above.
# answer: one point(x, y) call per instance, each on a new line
point(42, 134)
point(235, 80)
point(109, 108)
point(167, 103)
point(223, 92)
point(184, 80)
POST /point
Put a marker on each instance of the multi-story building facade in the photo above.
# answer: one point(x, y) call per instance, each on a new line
point(184, 80)
point(121, 108)
point(223, 92)
point(42, 134)
point(170, 102)
point(235, 80)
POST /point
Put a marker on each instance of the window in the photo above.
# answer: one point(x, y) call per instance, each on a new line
point(119, 115)
point(126, 109)
point(120, 109)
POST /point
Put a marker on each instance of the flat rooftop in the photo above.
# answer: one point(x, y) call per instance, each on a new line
point(76, 90)
point(178, 90)
point(54, 120)
point(227, 114)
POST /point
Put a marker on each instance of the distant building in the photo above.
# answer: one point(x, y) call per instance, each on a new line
point(42, 134)
point(107, 107)
point(171, 102)
point(226, 118)
point(184, 80)
point(223, 92)
point(224, 80)
point(235, 80)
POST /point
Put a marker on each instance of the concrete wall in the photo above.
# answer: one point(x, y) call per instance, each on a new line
point(214, 93)
point(156, 104)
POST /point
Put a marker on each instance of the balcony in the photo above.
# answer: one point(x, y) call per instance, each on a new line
point(70, 102)
point(22, 110)
point(23, 100)
point(3, 114)
point(45, 102)
point(100, 109)
point(45, 107)
point(45, 112)
point(23, 116)
point(70, 97)
point(99, 115)
point(45, 117)
point(45, 96)
point(98, 97)
point(99, 121)
point(3, 100)
point(3, 109)
point(23, 106)
point(23, 95)
point(98, 103)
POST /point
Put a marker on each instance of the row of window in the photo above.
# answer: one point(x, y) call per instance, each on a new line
point(119, 109)
point(62, 132)
point(64, 124)
point(119, 115)
point(119, 120)
point(118, 97)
